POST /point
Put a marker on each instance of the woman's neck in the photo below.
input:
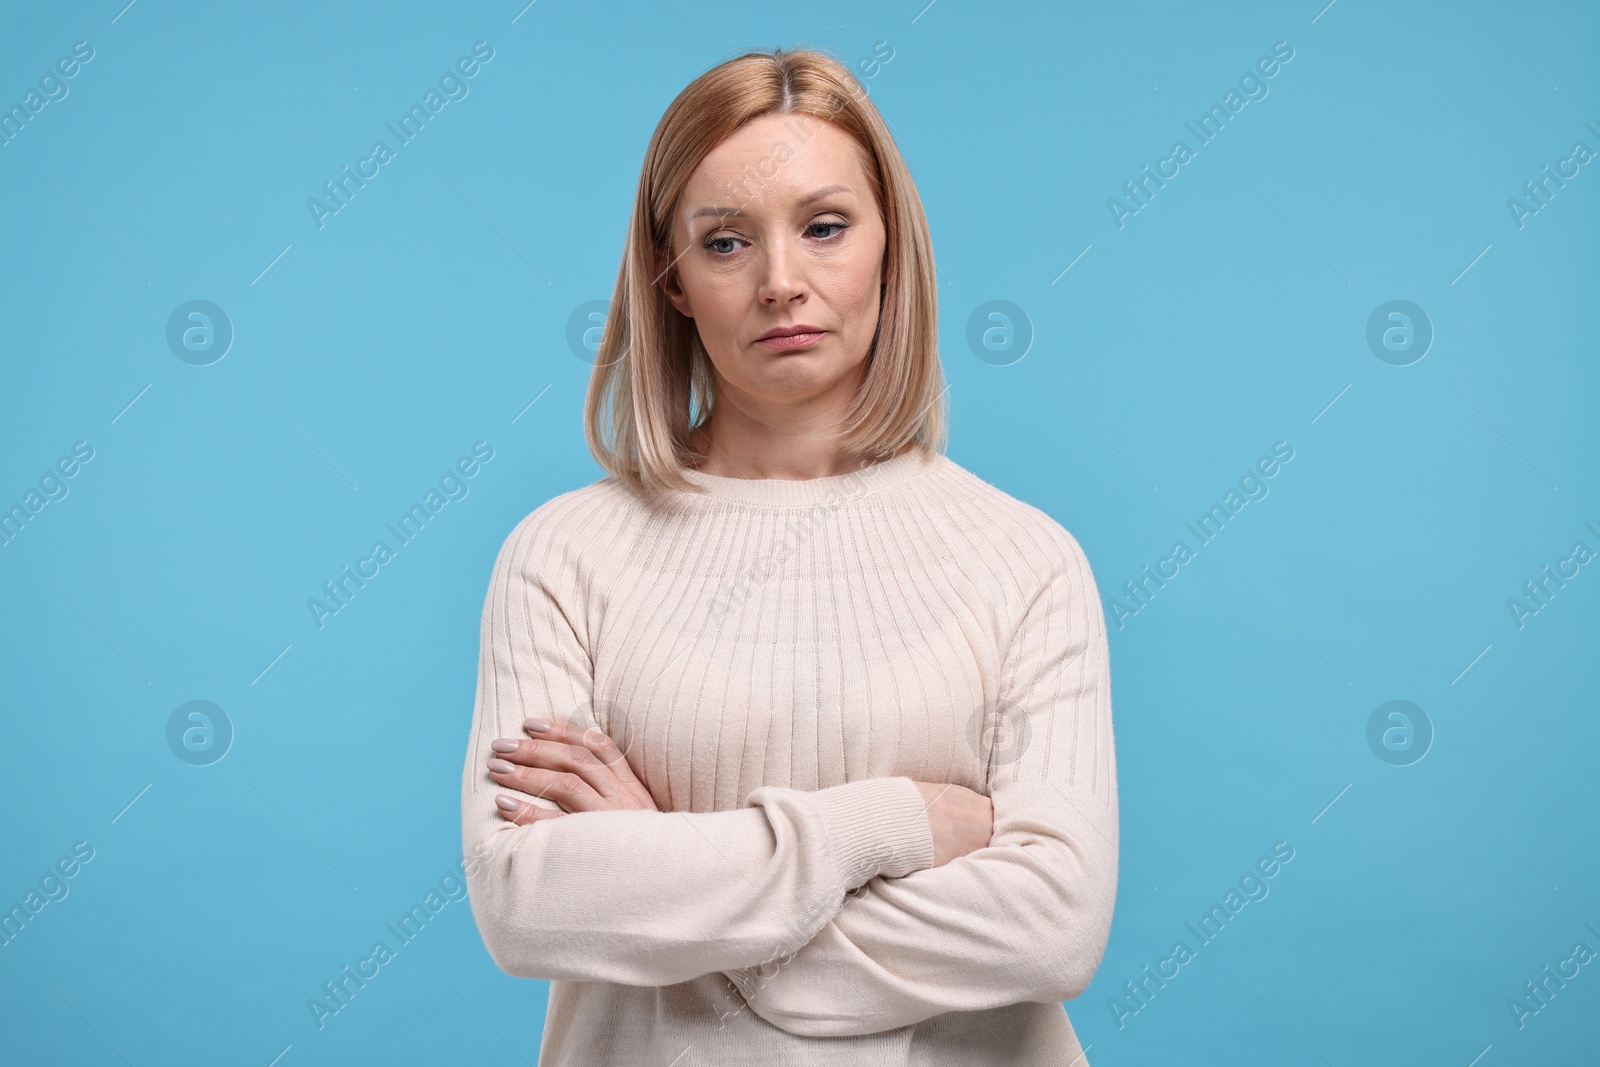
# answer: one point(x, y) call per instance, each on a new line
point(789, 458)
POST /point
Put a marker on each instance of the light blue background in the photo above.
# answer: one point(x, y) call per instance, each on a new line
point(1228, 314)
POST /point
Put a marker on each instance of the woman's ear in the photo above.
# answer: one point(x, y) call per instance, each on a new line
point(674, 291)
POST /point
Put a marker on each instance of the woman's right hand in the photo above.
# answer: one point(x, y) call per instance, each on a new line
point(962, 820)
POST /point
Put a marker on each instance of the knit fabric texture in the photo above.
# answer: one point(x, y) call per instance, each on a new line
point(780, 660)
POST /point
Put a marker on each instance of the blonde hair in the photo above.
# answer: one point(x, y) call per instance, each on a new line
point(652, 376)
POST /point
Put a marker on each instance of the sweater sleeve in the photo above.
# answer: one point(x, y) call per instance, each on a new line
point(1024, 919)
point(645, 898)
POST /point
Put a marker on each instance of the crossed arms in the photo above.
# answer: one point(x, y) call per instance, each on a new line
point(822, 908)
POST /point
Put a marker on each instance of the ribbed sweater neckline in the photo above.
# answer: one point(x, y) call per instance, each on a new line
point(805, 492)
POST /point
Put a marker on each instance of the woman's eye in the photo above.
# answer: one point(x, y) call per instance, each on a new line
point(720, 245)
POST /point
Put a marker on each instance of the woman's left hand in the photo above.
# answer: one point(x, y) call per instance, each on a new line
point(580, 769)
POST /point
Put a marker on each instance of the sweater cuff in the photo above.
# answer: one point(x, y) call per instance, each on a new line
point(877, 826)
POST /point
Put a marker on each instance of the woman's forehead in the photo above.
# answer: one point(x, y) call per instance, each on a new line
point(769, 163)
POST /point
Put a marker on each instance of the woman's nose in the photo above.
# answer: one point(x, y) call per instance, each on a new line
point(783, 276)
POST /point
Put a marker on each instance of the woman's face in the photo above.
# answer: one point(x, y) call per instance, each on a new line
point(778, 227)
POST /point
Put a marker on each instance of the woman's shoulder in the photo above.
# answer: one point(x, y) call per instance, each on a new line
point(1029, 550)
point(1011, 520)
point(571, 520)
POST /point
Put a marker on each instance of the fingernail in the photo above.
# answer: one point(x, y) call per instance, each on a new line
point(500, 766)
point(538, 726)
point(506, 803)
point(503, 744)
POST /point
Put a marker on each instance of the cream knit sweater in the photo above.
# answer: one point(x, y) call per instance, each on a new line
point(779, 659)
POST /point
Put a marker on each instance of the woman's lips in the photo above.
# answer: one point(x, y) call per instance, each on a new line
point(798, 340)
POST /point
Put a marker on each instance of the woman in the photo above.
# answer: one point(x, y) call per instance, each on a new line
point(834, 714)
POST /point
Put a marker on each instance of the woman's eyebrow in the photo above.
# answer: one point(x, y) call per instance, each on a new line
point(733, 212)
